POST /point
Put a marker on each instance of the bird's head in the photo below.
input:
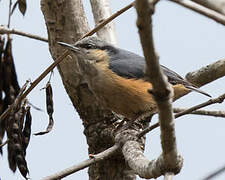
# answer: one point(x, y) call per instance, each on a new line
point(92, 49)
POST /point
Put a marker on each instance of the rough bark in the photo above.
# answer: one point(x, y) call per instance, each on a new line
point(66, 22)
point(207, 74)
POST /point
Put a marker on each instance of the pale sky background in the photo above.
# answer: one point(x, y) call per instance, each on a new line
point(185, 42)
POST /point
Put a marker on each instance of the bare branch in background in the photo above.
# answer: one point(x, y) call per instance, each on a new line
point(216, 5)
point(219, 99)
point(215, 173)
point(207, 74)
point(101, 11)
point(9, 13)
point(202, 112)
point(4, 30)
point(220, 18)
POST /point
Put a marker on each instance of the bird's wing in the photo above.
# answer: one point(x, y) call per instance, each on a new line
point(130, 65)
point(127, 64)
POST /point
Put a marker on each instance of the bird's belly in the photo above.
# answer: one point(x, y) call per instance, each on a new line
point(127, 97)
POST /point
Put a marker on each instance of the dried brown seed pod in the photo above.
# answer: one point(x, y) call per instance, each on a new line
point(8, 85)
point(17, 148)
point(49, 99)
point(22, 113)
point(23, 170)
point(49, 107)
point(27, 129)
point(19, 159)
point(15, 138)
point(15, 128)
point(11, 157)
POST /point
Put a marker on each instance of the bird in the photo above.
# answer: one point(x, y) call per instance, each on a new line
point(117, 77)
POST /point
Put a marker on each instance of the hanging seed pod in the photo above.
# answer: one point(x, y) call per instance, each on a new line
point(15, 138)
point(27, 129)
point(9, 84)
point(12, 130)
point(23, 170)
point(17, 148)
point(22, 165)
point(49, 107)
point(22, 113)
point(11, 156)
point(15, 128)
point(2, 124)
point(11, 67)
point(49, 99)
point(1, 82)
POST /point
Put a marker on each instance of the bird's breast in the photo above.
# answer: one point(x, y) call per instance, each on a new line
point(128, 97)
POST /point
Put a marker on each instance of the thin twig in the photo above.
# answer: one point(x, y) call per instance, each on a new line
point(9, 15)
point(86, 163)
point(3, 144)
point(4, 30)
point(214, 174)
point(214, 5)
point(202, 112)
point(219, 99)
point(202, 10)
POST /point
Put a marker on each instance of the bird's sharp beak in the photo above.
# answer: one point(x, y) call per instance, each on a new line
point(69, 46)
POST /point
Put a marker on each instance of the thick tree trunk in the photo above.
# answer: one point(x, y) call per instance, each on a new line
point(65, 21)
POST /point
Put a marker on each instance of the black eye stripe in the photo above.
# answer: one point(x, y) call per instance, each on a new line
point(87, 46)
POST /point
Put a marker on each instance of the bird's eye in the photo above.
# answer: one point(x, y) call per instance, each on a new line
point(88, 46)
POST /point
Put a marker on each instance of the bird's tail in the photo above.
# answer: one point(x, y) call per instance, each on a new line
point(198, 90)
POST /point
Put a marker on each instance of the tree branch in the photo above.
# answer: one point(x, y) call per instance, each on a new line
point(134, 156)
point(207, 74)
point(162, 90)
point(202, 10)
point(202, 112)
point(96, 158)
point(219, 99)
point(215, 173)
point(101, 11)
point(109, 19)
point(215, 5)
point(151, 168)
point(4, 30)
